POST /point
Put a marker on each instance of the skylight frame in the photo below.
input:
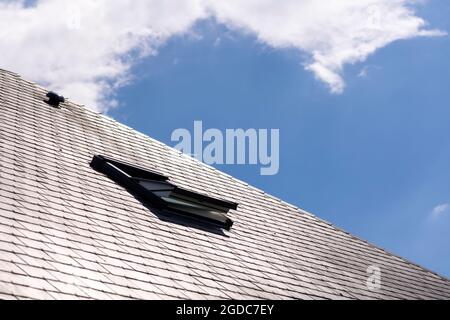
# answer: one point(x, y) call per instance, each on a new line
point(211, 210)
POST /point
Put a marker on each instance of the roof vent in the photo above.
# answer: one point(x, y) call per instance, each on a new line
point(54, 99)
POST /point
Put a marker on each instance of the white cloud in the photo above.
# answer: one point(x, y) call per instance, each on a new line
point(335, 33)
point(85, 48)
point(440, 210)
point(366, 70)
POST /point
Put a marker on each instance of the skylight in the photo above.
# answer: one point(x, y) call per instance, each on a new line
point(161, 194)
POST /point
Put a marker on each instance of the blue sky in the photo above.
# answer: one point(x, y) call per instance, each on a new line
point(359, 90)
point(373, 160)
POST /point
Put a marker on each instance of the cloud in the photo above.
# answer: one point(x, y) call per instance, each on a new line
point(334, 34)
point(85, 48)
point(366, 70)
point(440, 210)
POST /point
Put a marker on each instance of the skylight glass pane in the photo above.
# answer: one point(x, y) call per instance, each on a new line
point(159, 188)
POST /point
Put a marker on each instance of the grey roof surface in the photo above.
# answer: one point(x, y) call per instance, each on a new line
point(67, 231)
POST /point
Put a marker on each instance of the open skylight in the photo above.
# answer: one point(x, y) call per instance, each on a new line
point(155, 189)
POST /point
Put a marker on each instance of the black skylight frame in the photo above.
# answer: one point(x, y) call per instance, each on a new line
point(133, 178)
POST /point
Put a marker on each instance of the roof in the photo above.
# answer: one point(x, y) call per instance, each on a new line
point(67, 231)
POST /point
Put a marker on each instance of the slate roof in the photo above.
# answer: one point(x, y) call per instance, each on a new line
point(67, 231)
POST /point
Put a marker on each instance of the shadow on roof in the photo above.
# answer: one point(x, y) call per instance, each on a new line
point(174, 217)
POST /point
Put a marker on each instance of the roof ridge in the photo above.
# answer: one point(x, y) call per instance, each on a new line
point(292, 206)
